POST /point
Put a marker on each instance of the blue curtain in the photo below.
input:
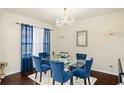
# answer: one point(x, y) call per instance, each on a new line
point(46, 41)
point(26, 47)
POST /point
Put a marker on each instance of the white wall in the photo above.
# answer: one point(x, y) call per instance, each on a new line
point(10, 40)
point(103, 48)
point(2, 35)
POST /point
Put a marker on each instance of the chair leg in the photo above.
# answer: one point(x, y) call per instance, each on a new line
point(76, 78)
point(36, 75)
point(53, 82)
point(40, 76)
point(45, 72)
point(85, 82)
point(89, 80)
point(71, 81)
point(120, 79)
point(51, 73)
point(61, 83)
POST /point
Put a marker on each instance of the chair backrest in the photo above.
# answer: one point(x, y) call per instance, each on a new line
point(80, 56)
point(38, 63)
point(87, 66)
point(43, 55)
point(57, 70)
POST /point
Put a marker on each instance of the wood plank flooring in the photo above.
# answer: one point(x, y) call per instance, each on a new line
point(22, 79)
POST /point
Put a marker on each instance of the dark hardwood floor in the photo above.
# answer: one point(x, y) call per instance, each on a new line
point(104, 78)
point(18, 79)
point(22, 79)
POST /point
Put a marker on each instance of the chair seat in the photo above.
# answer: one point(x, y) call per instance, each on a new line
point(79, 73)
point(45, 61)
point(45, 67)
point(67, 76)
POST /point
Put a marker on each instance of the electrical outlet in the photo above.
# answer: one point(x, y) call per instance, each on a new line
point(111, 66)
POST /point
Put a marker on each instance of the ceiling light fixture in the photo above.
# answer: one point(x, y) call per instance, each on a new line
point(65, 19)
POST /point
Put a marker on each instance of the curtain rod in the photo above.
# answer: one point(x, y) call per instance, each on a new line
point(34, 26)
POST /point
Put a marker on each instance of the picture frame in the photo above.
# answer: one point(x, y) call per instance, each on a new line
point(81, 38)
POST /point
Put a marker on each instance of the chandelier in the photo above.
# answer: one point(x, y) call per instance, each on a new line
point(65, 19)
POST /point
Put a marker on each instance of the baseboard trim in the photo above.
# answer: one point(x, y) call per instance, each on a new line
point(115, 74)
point(105, 73)
point(7, 74)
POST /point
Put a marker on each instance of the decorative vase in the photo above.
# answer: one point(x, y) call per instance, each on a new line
point(2, 67)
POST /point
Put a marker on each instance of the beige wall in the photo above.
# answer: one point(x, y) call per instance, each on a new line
point(1, 36)
point(10, 39)
point(103, 48)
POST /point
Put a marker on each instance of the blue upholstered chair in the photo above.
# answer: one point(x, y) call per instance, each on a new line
point(80, 56)
point(44, 56)
point(58, 73)
point(84, 73)
point(40, 66)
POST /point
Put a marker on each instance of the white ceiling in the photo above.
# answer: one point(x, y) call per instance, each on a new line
point(49, 14)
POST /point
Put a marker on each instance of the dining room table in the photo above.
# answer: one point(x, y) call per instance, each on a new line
point(69, 63)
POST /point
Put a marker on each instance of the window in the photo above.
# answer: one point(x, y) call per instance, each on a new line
point(37, 40)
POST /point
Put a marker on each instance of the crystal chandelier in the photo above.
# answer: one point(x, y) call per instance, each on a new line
point(64, 20)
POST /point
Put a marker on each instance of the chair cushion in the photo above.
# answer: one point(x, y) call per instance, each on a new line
point(67, 76)
point(79, 73)
point(45, 67)
point(47, 63)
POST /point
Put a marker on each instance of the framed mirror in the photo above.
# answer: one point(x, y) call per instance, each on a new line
point(81, 37)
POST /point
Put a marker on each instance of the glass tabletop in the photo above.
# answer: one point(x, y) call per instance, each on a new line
point(68, 62)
